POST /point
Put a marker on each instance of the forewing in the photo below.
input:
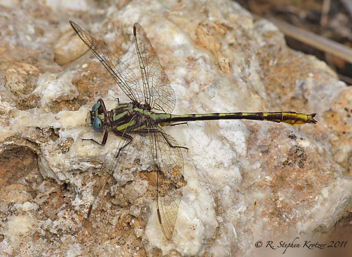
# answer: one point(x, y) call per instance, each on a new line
point(156, 85)
point(168, 167)
point(124, 76)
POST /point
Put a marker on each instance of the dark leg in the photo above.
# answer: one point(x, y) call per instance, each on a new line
point(102, 104)
point(118, 100)
point(180, 123)
point(173, 146)
point(145, 131)
point(105, 138)
point(123, 135)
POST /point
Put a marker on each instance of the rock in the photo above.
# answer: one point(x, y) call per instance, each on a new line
point(68, 48)
point(246, 182)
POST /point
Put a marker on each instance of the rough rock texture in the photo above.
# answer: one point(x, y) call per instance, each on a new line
point(247, 181)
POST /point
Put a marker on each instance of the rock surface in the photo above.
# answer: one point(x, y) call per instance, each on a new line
point(247, 181)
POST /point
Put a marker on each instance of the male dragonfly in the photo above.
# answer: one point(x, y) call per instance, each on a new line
point(152, 101)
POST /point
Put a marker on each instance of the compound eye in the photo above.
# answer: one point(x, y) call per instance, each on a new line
point(97, 124)
point(95, 107)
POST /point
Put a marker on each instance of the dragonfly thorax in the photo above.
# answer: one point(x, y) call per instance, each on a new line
point(131, 118)
point(128, 117)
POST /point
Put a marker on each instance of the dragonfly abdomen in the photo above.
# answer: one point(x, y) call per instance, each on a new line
point(291, 118)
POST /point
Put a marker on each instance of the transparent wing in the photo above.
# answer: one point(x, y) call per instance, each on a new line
point(114, 162)
point(125, 77)
point(168, 167)
point(156, 85)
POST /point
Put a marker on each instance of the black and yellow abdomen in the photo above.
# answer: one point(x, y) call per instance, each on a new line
point(291, 118)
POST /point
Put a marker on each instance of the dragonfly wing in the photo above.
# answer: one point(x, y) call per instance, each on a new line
point(114, 161)
point(168, 167)
point(156, 85)
point(168, 205)
point(124, 76)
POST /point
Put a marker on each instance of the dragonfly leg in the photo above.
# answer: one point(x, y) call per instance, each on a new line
point(102, 104)
point(164, 136)
point(118, 100)
point(180, 123)
point(103, 142)
point(169, 143)
point(123, 135)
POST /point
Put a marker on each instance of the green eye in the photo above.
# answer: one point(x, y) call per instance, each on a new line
point(97, 124)
point(95, 107)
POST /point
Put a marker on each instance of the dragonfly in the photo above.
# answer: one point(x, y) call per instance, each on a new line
point(152, 101)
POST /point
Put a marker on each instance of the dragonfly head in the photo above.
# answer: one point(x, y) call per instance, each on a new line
point(95, 117)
